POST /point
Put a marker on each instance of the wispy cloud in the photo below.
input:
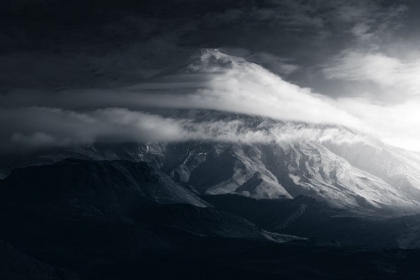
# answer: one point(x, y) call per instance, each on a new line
point(378, 68)
point(44, 128)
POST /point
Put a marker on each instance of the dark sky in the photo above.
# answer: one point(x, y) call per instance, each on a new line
point(362, 56)
point(306, 33)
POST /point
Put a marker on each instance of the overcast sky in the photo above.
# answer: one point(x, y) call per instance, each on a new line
point(66, 66)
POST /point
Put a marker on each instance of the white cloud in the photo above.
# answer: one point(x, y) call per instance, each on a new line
point(40, 128)
point(397, 125)
point(384, 71)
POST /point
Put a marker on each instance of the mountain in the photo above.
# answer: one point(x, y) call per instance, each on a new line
point(242, 195)
point(229, 151)
point(382, 181)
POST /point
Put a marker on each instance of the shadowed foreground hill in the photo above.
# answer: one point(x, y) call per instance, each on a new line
point(123, 220)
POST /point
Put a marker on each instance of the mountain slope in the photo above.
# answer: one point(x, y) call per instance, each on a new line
point(104, 185)
point(304, 216)
point(81, 214)
point(18, 266)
